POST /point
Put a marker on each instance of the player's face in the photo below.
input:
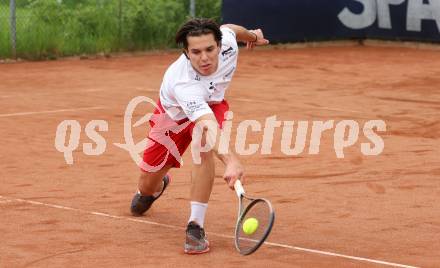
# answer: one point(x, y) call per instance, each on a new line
point(203, 53)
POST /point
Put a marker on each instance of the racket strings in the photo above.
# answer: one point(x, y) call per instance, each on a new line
point(262, 212)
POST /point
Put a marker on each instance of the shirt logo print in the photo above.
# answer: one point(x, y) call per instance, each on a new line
point(227, 51)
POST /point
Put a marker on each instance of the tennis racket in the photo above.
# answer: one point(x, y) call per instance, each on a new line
point(257, 208)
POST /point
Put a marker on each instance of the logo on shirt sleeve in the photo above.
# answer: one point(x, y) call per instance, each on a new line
point(228, 53)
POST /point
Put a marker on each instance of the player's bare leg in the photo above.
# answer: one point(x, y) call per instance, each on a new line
point(202, 180)
point(150, 187)
point(151, 182)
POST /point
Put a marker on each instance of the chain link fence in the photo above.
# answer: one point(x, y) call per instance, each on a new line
point(38, 29)
point(5, 27)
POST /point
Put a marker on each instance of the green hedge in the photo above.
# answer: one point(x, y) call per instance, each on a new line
point(53, 28)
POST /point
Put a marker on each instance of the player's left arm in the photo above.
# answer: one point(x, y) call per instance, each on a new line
point(252, 38)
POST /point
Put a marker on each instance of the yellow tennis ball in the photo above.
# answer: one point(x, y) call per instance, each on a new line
point(250, 226)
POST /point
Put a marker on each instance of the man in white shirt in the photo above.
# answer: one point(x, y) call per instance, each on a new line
point(192, 95)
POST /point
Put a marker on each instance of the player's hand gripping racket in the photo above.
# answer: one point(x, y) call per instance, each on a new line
point(254, 223)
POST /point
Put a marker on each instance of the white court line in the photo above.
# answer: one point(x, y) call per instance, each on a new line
point(147, 89)
point(210, 233)
point(49, 93)
point(298, 107)
point(52, 111)
point(76, 91)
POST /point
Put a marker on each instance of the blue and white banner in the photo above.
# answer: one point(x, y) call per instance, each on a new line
point(312, 20)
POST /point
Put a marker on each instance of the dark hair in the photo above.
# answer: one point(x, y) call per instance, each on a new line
point(198, 27)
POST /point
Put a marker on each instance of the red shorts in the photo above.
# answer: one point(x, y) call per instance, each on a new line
point(168, 139)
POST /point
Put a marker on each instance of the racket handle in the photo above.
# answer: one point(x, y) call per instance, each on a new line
point(238, 188)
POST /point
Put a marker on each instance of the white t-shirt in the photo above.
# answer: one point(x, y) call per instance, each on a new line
point(184, 93)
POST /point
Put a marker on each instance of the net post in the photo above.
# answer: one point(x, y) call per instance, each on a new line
point(192, 8)
point(13, 28)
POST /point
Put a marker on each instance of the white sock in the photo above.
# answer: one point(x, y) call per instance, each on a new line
point(198, 211)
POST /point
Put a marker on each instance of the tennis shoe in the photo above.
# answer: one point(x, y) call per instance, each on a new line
point(196, 240)
point(141, 203)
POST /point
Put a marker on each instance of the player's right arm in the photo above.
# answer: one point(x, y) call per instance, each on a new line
point(191, 99)
point(210, 134)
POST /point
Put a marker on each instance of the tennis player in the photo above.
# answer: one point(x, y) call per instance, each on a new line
point(192, 94)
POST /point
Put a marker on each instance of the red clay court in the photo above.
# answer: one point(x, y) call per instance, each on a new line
point(359, 211)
